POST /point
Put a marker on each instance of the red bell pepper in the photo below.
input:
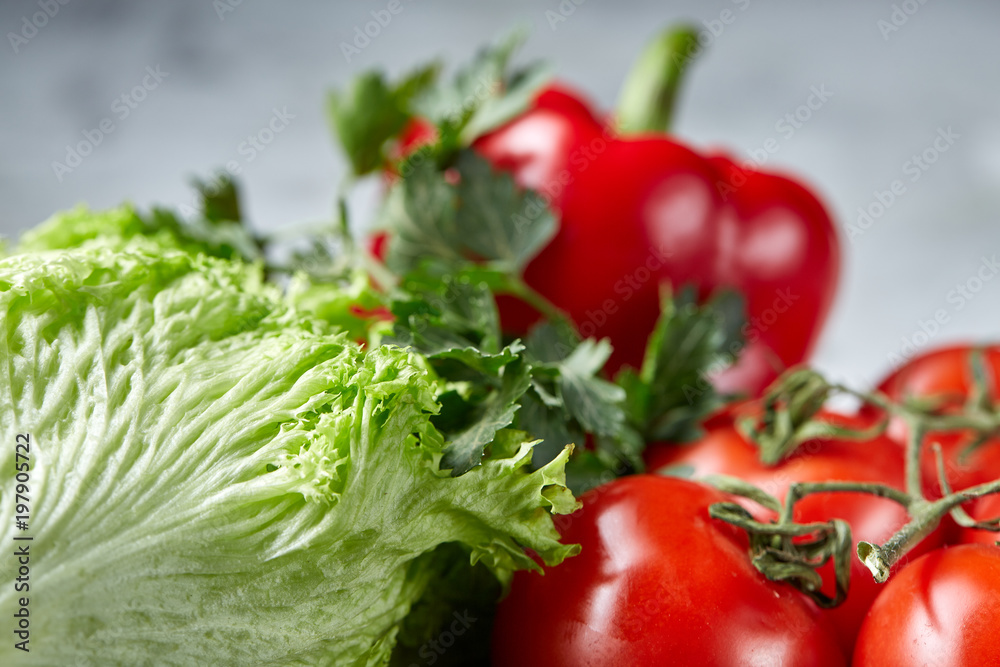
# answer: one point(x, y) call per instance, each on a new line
point(640, 209)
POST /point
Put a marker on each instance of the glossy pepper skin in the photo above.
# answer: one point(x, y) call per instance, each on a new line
point(637, 211)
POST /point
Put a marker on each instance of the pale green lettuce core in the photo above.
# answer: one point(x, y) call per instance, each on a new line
point(219, 479)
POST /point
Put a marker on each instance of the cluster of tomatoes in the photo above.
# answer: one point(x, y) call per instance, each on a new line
point(658, 580)
point(661, 582)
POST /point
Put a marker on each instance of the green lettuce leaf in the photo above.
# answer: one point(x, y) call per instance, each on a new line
point(218, 478)
point(124, 226)
point(352, 305)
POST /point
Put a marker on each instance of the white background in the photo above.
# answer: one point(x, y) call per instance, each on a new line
point(226, 74)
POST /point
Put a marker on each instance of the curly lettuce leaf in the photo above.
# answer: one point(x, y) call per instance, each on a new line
point(353, 305)
point(217, 478)
point(124, 226)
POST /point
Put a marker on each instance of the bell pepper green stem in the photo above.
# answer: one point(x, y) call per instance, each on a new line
point(648, 98)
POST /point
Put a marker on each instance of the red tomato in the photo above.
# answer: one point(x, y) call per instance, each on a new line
point(658, 583)
point(724, 451)
point(943, 609)
point(983, 509)
point(945, 374)
point(963, 467)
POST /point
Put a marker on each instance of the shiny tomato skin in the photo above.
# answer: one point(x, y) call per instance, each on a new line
point(963, 467)
point(944, 372)
point(983, 509)
point(945, 375)
point(942, 609)
point(658, 582)
point(724, 451)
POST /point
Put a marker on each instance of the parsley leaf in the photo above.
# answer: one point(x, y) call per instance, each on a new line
point(492, 215)
point(670, 396)
point(482, 95)
point(595, 403)
point(570, 402)
point(419, 213)
point(220, 199)
point(550, 386)
point(371, 112)
point(483, 218)
point(465, 449)
point(453, 321)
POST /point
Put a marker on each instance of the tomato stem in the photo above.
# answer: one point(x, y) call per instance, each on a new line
point(916, 431)
point(800, 490)
point(926, 517)
point(790, 408)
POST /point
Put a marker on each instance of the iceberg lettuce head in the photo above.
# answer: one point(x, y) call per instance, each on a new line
point(216, 477)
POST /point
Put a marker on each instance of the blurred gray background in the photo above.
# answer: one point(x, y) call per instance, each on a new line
point(900, 73)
